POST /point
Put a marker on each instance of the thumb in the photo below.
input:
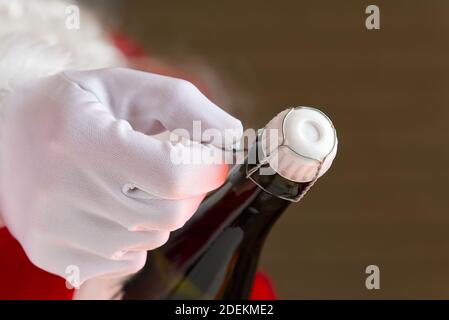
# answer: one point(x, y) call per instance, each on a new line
point(153, 103)
point(190, 112)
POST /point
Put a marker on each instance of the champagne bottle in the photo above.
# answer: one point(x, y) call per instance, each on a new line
point(215, 255)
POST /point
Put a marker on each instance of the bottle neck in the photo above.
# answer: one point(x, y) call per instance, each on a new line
point(258, 170)
point(252, 204)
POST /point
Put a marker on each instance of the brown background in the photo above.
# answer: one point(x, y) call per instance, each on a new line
point(385, 200)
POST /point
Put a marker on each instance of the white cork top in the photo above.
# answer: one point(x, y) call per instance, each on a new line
point(307, 142)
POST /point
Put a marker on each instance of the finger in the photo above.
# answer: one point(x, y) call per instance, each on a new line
point(122, 156)
point(78, 266)
point(102, 237)
point(149, 101)
point(166, 215)
point(133, 209)
point(162, 169)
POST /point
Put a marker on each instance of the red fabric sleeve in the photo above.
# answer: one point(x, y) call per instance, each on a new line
point(20, 279)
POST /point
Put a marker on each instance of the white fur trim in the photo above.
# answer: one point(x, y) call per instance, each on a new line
point(35, 42)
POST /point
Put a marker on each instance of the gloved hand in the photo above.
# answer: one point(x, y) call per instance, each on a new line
point(82, 182)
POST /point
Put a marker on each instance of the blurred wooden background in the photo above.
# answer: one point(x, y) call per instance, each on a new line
point(385, 201)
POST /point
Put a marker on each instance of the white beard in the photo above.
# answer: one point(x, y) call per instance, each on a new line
point(35, 42)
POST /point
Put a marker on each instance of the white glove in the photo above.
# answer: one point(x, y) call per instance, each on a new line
point(82, 181)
